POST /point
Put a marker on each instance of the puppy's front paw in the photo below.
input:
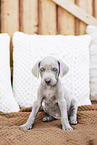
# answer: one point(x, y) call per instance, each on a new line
point(26, 126)
point(67, 128)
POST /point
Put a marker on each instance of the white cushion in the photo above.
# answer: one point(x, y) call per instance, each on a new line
point(29, 49)
point(92, 30)
point(7, 100)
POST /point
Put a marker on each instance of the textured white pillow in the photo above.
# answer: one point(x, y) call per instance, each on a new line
point(92, 30)
point(73, 50)
point(7, 101)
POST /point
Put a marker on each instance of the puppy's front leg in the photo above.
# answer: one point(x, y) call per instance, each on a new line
point(64, 115)
point(35, 109)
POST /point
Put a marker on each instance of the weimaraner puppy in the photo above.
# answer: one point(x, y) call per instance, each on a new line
point(56, 100)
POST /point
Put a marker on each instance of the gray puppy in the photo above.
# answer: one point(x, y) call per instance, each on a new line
point(56, 100)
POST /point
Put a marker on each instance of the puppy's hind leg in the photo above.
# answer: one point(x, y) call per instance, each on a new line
point(48, 118)
point(73, 112)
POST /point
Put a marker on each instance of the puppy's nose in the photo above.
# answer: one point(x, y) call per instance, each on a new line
point(47, 80)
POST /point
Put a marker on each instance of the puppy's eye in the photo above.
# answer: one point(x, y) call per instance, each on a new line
point(42, 69)
point(55, 69)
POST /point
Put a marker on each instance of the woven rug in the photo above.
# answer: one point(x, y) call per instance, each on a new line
point(49, 133)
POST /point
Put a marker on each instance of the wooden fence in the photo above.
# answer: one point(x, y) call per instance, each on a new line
point(46, 16)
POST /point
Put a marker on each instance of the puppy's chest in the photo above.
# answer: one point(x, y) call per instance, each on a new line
point(50, 96)
point(50, 103)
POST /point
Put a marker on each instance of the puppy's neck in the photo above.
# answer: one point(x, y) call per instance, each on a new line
point(50, 87)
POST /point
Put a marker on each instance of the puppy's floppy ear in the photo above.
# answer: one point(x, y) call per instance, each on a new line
point(35, 69)
point(63, 68)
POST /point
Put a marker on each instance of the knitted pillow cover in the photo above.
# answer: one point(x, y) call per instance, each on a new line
point(7, 100)
point(29, 49)
point(92, 31)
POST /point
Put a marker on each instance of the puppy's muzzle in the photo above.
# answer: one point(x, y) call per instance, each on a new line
point(47, 81)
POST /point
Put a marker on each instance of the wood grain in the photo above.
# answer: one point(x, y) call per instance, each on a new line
point(29, 16)
point(10, 19)
point(95, 8)
point(87, 6)
point(76, 11)
point(66, 22)
point(47, 17)
point(9, 16)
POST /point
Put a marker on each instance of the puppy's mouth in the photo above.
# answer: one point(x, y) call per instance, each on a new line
point(51, 85)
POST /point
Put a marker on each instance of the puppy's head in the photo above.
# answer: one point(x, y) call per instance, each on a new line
point(49, 69)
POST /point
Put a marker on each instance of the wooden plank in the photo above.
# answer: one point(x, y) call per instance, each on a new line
point(76, 11)
point(95, 8)
point(47, 17)
point(87, 6)
point(29, 16)
point(9, 18)
point(66, 22)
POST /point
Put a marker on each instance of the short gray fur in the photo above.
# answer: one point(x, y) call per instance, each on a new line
point(56, 101)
